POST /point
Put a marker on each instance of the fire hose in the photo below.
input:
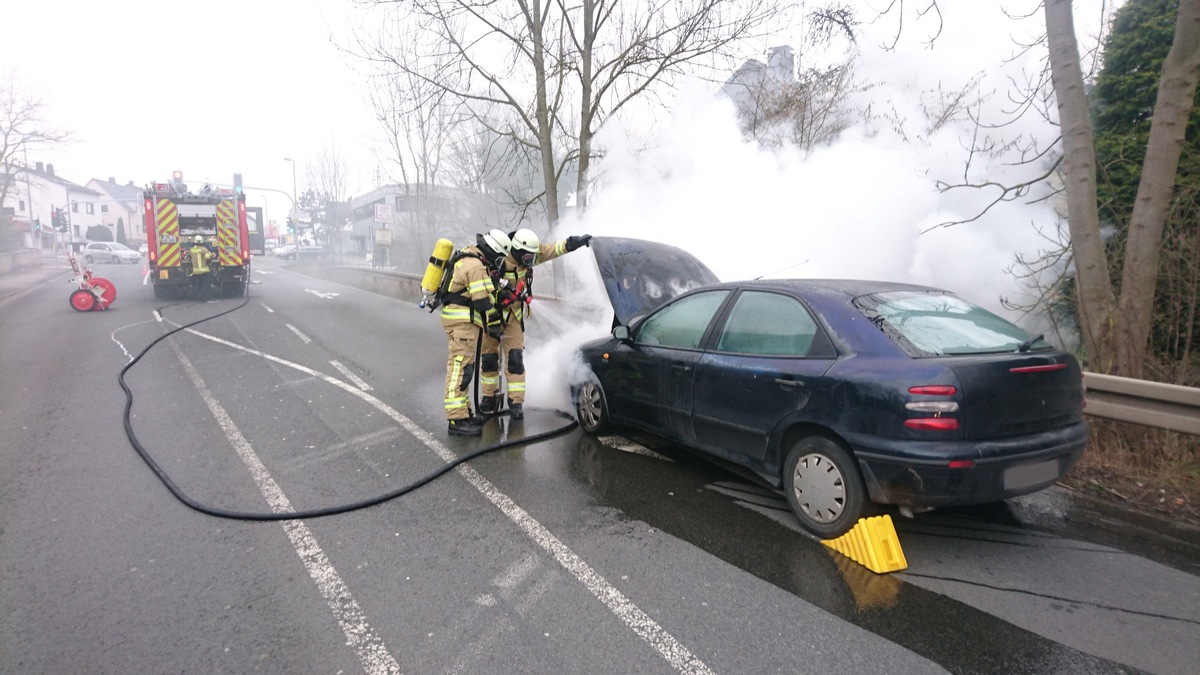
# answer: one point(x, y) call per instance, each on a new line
point(174, 489)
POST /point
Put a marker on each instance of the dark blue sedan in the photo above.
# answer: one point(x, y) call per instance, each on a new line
point(839, 392)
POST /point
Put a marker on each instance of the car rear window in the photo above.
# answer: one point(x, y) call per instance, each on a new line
point(937, 323)
point(767, 324)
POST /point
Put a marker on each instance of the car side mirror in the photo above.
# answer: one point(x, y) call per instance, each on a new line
point(621, 332)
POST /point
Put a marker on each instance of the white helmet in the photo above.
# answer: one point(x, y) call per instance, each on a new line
point(495, 246)
point(525, 246)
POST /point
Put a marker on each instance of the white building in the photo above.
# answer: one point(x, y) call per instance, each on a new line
point(34, 195)
point(120, 209)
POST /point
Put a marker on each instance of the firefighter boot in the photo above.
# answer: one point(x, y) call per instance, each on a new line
point(467, 427)
point(516, 410)
point(489, 405)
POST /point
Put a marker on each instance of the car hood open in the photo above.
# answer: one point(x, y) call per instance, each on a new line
point(640, 275)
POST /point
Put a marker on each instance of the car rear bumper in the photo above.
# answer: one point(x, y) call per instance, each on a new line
point(918, 474)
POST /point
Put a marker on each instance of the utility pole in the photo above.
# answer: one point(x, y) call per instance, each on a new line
point(37, 235)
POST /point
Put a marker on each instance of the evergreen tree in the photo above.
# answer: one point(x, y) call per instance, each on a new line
point(1123, 107)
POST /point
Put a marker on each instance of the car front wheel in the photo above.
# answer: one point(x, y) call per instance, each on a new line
point(89, 260)
point(116, 260)
point(591, 409)
point(823, 487)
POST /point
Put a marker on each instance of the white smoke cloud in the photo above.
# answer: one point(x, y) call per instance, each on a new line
point(866, 206)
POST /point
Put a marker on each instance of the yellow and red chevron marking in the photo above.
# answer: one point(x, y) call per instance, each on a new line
point(227, 233)
point(167, 219)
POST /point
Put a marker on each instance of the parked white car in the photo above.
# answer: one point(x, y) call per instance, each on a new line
point(109, 251)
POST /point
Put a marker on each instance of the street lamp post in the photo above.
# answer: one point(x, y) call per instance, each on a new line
point(295, 196)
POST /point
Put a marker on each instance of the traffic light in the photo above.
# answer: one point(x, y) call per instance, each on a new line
point(237, 183)
point(290, 225)
point(37, 224)
point(58, 219)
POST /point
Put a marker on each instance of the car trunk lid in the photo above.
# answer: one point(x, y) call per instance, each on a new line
point(1013, 395)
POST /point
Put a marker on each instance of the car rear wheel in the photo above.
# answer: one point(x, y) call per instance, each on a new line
point(823, 487)
point(591, 409)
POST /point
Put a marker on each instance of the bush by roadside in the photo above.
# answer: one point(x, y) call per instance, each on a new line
point(1142, 468)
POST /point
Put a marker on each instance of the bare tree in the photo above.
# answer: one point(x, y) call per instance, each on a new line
point(562, 70)
point(23, 127)
point(1114, 325)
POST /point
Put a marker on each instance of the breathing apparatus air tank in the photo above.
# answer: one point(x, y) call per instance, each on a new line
point(437, 267)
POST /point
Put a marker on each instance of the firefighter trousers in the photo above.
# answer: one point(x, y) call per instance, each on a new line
point(462, 338)
point(509, 351)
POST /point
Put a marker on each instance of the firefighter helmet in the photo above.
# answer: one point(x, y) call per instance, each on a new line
point(495, 246)
point(525, 246)
point(199, 239)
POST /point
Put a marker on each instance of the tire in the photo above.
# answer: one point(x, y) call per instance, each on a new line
point(233, 289)
point(823, 487)
point(591, 408)
point(116, 260)
point(89, 259)
point(82, 300)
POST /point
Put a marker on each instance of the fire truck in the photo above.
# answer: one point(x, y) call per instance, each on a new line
point(174, 216)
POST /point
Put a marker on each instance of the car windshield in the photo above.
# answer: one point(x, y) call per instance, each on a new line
point(936, 323)
point(119, 247)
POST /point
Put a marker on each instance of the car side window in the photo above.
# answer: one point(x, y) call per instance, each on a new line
point(768, 324)
point(682, 323)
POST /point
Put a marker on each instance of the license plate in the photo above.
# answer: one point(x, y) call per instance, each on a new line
point(1018, 477)
point(168, 239)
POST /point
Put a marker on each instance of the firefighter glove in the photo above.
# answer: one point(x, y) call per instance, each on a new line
point(506, 297)
point(575, 242)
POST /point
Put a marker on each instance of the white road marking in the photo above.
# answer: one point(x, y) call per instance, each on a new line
point(267, 307)
point(113, 336)
point(372, 653)
point(358, 381)
point(678, 656)
point(303, 338)
point(319, 294)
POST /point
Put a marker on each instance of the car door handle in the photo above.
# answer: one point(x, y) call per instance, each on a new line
point(789, 383)
point(680, 368)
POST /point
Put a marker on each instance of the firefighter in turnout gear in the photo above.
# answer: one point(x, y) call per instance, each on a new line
point(513, 298)
point(468, 310)
point(201, 255)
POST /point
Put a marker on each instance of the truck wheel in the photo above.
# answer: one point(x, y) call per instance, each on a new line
point(83, 300)
point(160, 292)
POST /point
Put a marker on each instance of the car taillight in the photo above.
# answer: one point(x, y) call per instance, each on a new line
point(936, 408)
point(932, 423)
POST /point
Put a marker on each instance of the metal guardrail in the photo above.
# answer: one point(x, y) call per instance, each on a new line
point(1153, 404)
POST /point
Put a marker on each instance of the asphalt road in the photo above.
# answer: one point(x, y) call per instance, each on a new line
point(570, 555)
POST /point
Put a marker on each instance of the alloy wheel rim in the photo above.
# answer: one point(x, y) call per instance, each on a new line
point(589, 406)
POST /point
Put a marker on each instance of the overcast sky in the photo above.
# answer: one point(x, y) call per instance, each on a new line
point(228, 86)
point(210, 88)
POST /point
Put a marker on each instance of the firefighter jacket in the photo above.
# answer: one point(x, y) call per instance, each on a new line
point(470, 296)
point(518, 291)
point(200, 255)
